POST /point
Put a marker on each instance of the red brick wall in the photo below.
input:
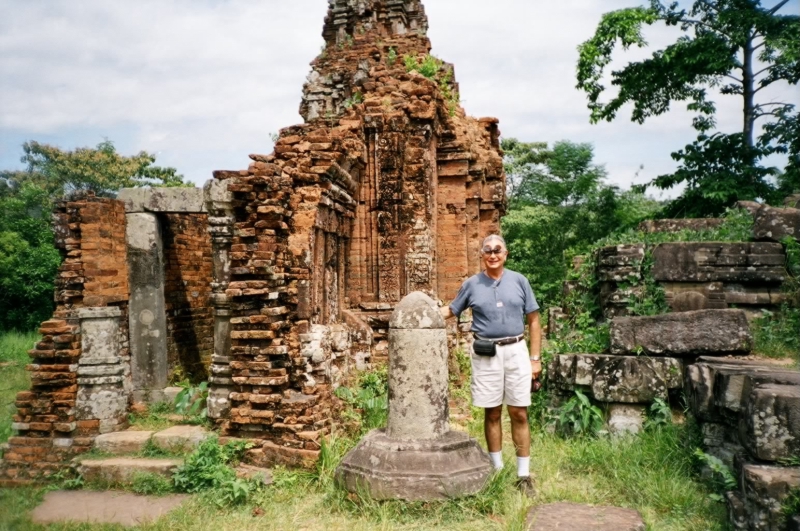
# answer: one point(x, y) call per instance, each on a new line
point(187, 287)
point(90, 233)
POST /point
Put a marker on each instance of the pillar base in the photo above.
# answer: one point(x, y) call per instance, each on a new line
point(383, 468)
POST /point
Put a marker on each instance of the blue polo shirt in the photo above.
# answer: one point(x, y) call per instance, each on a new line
point(499, 306)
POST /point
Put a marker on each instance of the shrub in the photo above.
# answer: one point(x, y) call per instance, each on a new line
point(578, 417)
point(209, 466)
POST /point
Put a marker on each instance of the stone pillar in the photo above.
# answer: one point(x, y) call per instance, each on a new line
point(220, 220)
point(418, 405)
point(417, 457)
point(101, 393)
point(147, 318)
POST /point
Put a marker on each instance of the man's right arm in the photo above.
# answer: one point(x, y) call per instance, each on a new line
point(446, 312)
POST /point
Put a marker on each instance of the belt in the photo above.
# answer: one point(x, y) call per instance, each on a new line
point(504, 340)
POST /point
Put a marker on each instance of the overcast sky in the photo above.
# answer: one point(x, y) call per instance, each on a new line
point(203, 83)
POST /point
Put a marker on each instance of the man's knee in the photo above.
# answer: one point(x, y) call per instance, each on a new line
point(519, 415)
point(493, 414)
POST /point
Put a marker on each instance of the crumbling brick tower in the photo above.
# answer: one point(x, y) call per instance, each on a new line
point(388, 187)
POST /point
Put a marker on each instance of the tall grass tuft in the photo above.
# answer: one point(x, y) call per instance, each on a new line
point(14, 348)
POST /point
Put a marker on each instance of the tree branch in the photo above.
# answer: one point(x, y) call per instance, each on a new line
point(777, 7)
point(762, 70)
point(734, 78)
point(706, 25)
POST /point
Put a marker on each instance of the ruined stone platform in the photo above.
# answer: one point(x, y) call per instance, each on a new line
point(573, 516)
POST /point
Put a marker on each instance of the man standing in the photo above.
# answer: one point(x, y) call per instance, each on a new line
point(502, 302)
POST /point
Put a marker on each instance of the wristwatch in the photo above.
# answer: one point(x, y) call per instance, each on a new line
point(536, 358)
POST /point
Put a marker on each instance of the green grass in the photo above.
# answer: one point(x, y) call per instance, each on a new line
point(14, 347)
point(777, 335)
point(653, 473)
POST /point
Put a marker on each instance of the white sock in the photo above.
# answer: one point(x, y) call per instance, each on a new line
point(497, 459)
point(523, 466)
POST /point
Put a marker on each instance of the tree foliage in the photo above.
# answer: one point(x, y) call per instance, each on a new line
point(28, 259)
point(101, 170)
point(737, 47)
point(560, 204)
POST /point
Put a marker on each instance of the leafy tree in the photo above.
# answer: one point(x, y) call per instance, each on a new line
point(101, 170)
point(559, 202)
point(736, 46)
point(28, 259)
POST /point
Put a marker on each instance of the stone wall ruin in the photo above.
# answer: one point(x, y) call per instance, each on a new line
point(748, 409)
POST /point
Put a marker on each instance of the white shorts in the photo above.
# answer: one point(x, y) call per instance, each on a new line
point(502, 378)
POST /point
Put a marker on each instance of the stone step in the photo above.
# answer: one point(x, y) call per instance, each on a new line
point(180, 438)
point(123, 469)
point(122, 442)
point(564, 516)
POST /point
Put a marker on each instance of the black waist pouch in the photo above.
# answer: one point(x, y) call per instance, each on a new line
point(484, 347)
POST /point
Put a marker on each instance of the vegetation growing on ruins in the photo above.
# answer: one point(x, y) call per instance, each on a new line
point(582, 332)
point(433, 68)
point(735, 48)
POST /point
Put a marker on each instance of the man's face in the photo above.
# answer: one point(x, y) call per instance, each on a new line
point(494, 255)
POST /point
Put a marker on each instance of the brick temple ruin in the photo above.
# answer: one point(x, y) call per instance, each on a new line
point(272, 281)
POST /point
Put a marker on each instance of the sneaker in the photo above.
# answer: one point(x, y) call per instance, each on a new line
point(524, 484)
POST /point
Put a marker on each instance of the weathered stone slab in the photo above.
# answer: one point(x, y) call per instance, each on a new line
point(719, 262)
point(770, 424)
point(608, 378)
point(775, 224)
point(123, 469)
point(572, 516)
point(625, 418)
point(765, 488)
point(180, 438)
point(703, 332)
point(162, 199)
point(122, 442)
point(733, 385)
point(701, 379)
point(105, 507)
point(147, 318)
point(677, 225)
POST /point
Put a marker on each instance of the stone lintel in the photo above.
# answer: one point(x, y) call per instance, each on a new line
point(176, 199)
point(104, 312)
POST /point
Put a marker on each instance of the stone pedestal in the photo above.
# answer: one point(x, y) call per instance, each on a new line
point(101, 389)
point(416, 457)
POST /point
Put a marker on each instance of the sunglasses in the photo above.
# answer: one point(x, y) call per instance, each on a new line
point(497, 250)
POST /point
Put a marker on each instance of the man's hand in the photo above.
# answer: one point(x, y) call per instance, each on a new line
point(536, 369)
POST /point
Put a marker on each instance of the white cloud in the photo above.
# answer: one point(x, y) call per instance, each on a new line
point(202, 83)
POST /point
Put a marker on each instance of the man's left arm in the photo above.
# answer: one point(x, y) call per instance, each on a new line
point(535, 330)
